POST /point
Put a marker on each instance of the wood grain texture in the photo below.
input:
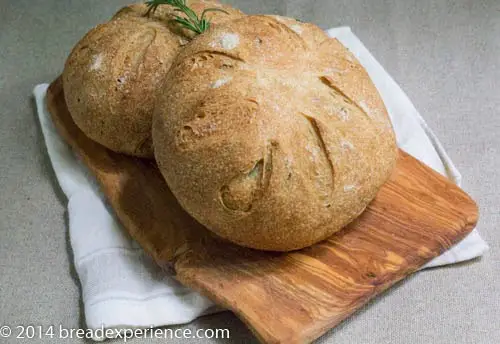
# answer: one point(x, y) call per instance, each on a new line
point(283, 297)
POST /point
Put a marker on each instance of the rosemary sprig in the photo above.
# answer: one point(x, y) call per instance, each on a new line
point(190, 21)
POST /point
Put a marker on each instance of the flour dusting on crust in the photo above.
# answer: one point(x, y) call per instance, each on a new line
point(96, 62)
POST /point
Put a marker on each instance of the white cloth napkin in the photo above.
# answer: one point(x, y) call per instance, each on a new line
point(123, 288)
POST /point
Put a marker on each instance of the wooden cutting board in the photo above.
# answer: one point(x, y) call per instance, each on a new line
point(283, 297)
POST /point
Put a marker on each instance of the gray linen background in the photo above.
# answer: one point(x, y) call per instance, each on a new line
point(445, 54)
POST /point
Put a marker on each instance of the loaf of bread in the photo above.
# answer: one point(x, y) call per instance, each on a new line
point(113, 75)
point(271, 134)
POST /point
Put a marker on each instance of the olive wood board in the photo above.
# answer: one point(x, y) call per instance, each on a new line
point(291, 297)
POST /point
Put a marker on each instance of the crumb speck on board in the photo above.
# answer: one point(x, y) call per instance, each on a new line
point(96, 62)
point(221, 82)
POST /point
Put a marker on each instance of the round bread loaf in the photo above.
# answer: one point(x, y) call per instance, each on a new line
point(110, 81)
point(271, 134)
point(113, 75)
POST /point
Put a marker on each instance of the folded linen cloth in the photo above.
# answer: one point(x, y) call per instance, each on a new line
point(121, 285)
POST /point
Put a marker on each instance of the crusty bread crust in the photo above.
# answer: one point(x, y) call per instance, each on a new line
point(271, 134)
point(112, 76)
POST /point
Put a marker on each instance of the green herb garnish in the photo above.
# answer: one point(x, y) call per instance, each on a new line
point(191, 21)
